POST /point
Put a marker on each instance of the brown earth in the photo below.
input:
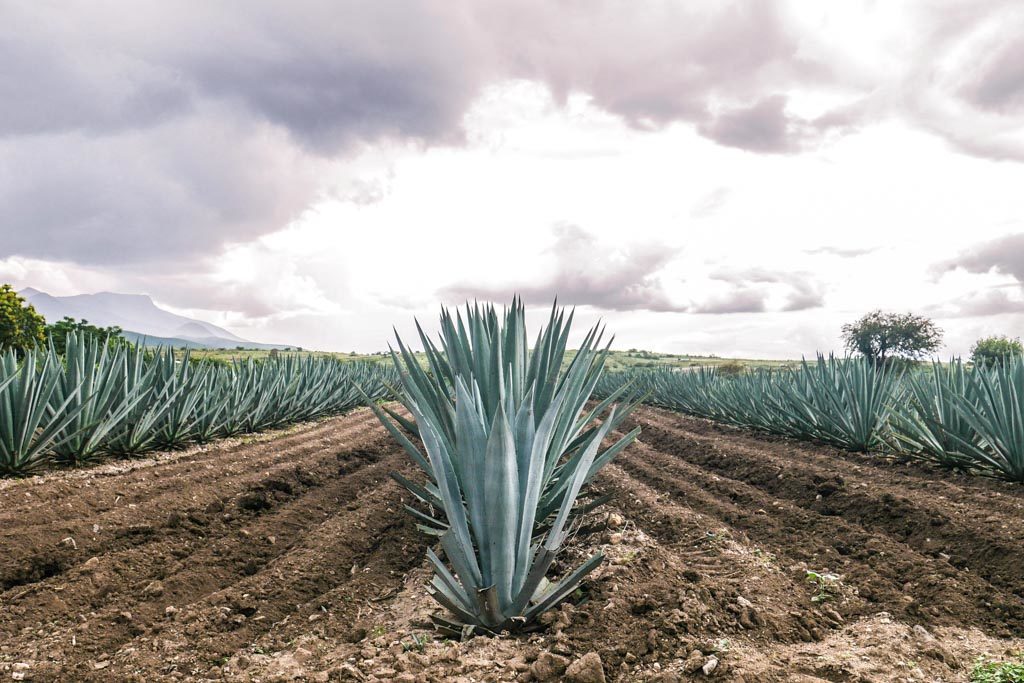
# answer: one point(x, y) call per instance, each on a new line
point(287, 557)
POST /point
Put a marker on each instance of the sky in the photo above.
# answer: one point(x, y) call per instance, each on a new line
point(738, 178)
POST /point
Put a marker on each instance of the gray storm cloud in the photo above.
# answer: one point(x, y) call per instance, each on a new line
point(1000, 83)
point(981, 304)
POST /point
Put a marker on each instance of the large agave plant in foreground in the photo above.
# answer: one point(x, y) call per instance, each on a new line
point(508, 444)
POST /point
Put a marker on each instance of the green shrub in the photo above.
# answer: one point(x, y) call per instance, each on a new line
point(992, 351)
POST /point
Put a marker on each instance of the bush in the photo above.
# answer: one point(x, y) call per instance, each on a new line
point(21, 327)
point(731, 368)
point(991, 351)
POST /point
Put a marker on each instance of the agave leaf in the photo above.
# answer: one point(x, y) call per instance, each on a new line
point(507, 442)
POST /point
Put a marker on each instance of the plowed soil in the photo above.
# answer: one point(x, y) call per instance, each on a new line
point(288, 557)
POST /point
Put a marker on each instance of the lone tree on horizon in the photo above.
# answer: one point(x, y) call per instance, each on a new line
point(882, 337)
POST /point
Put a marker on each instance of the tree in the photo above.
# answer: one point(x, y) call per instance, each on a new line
point(21, 326)
point(882, 337)
point(58, 333)
point(991, 351)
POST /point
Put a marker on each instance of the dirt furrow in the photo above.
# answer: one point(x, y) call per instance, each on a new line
point(87, 488)
point(926, 589)
point(956, 488)
point(324, 571)
point(990, 544)
point(194, 550)
point(226, 542)
point(122, 513)
point(289, 557)
point(751, 591)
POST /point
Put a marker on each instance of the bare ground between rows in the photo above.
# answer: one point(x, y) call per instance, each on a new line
point(971, 523)
point(289, 558)
point(53, 523)
point(680, 592)
point(322, 499)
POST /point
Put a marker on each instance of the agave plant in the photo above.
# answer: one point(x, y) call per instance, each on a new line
point(210, 413)
point(143, 380)
point(846, 403)
point(931, 425)
point(179, 391)
point(98, 399)
point(89, 382)
point(993, 409)
point(29, 423)
point(508, 445)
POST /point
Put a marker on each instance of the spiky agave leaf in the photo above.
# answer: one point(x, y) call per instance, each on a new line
point(145, 376)
point(507, 447)
point(952, 415)
point(210, 413)
point(29, 423)
point(995, 411)
point(88, 380)
point(930, 425)
point(128, 400)
point(844, 402)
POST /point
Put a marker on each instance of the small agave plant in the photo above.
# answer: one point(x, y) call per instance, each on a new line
point(508, 445)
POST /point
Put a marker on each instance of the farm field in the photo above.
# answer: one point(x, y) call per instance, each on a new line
point(286, 556)
point(483, 342)
point(618, 360)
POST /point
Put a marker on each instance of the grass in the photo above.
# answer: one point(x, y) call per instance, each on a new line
point(998, 672)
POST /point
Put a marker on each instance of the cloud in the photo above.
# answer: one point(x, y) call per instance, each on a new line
point(799, 290)
point(842, 252)
point(660, 64)
point(141, 132)
point(161, 134)
point(710, 203)
point(182, 189)
point(138, 132)
point(966, 79)
point(1003, 255)
point(743, 300)
point(980, 304)
point(999, 86)
point(584, 272)
point(761, 127)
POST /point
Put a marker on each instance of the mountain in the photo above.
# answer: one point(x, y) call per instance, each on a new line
point(140, 318)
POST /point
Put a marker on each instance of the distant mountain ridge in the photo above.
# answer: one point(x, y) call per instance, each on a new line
point(140, 318)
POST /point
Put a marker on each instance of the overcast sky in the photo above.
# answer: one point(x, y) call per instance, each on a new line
point(731, 177)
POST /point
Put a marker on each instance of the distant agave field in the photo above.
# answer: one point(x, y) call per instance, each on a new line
point(960, 417)
point(96, 401)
